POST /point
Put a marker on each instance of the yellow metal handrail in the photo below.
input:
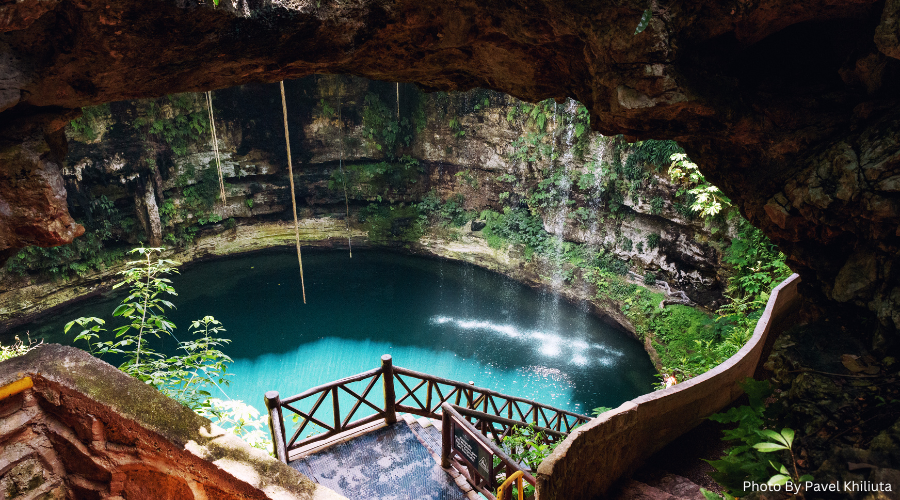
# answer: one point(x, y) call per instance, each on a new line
point(516, 477)
point(16, 387)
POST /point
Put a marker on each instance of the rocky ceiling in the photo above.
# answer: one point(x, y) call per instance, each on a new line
point(792, 108)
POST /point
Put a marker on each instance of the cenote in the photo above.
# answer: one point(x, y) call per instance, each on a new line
point(444, 318)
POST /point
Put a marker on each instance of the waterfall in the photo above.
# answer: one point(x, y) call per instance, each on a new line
point(595, 202)
point(559, 215)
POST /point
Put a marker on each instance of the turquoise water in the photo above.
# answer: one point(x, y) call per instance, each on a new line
point(445, 318)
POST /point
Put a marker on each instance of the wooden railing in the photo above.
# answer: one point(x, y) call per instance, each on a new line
point(554, 420)
point(482, 476)
point(423, 394)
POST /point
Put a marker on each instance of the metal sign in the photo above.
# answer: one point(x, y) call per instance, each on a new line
point(473, 451)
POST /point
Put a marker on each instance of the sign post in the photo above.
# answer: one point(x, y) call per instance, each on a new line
point(473, 451)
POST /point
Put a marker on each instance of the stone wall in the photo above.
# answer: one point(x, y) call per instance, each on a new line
point(598, 453)
point(85, 430)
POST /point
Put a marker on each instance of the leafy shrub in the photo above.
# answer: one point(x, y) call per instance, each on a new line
point(515, 226)
point(386, 223)
point(376, 180)
point(611, 264)
point(87, 123)
point(18, 348)
point(189, 376)
point(450, 212)
point(756, 262)
point(188, 124)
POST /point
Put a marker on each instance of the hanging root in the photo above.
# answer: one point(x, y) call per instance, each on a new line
point(344, 179)
point(287, 141)
point(212, 130)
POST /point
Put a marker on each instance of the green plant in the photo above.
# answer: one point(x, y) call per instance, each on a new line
point(456, 128)
point(187, 376)
point(783, 440)
point(450, 212)
point(89, 120)
point(596, 412)
point(584, 216)
point(656, 205)
point(327, 110)
point(240, 419)
point(649, 278)
point(466, 177)
point(653, 240)
point(373, 181)
point(516, 226)
point(187, 124)
point(757, 264)
point(392, 223)
point(530, 447)
point(18, 348)
point(708, 199)
point(385, 131)
point(249, 202)
point(745, 463)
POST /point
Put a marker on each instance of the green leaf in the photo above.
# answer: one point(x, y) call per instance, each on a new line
point(708, 495)
point(769, 447)
point(774, 436)
point(779, 479)
point(788, 436)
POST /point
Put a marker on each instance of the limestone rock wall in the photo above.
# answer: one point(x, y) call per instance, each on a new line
point(152, 164)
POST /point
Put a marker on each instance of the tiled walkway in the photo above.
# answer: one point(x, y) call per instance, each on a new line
point(390, 463)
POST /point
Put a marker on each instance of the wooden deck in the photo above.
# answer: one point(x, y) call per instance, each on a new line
point(377, 460)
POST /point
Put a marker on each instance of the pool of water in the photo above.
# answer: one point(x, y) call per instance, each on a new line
point(445, 318)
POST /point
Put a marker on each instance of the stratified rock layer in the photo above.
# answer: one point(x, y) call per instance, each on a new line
point(791, 108)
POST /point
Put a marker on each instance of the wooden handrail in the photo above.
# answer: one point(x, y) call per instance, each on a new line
point(330, 385)
point(452, 417)
point(475, 402)
point(506, 421)
point(460, 385)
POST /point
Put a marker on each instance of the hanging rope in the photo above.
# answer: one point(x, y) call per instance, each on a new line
point(212, 130)
point(344, 179)
point(398, 102)
point(287, 141)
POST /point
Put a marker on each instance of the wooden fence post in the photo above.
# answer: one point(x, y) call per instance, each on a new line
point(276, 425)
point(390, 399)
point(337, 410)
point(446, 431)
